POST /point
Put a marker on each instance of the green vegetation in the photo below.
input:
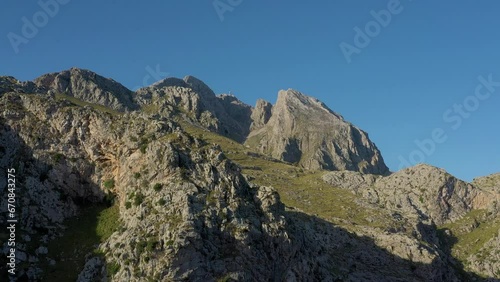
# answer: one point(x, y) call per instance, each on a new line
point(143, 144)
point(80, 103)
point(139, 198)
point(470, 233)
point(304, 190)
point(157, 187)
point(112, 269)
point(151, 245)
point(57, 157)
point(143, 148)
point(128, 205)
point(109, 184)
point(92, 226)
point(225, 278)
point(140, 246)
point(137, 175)
point(161, 202)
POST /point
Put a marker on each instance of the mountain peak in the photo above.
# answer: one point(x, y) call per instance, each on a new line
point(199, 86)
point(170, 81)
point(332, 143)
point(293, 99)
point(88, 86)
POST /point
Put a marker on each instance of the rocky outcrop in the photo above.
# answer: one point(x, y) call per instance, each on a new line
point(238, 111)
point(490, 191)
point(423, 191)
point(187, 211)
point(260, 114)
point(223, 114)
point(10, 84)
point(303, 130)
point(89, 87)
point(282, 131)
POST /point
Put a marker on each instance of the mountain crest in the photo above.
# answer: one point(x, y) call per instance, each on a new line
point(331, 144)
point(88, 86)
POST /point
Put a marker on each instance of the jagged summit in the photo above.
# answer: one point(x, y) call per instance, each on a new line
point(304, 130)
point(169, 81)
point(423, 190)
point(172, 201)
point(282, 131)
point(293, 97)
point(200, 87)
point(88, 86)
point(12, 84)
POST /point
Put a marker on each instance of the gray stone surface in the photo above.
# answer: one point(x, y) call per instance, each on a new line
point(303, 130)
point(90, 87)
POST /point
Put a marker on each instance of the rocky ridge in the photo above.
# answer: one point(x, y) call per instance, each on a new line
point(88, 86)
point(331, 144)
point(186, 211)
point(468, 210)
point(280, 131)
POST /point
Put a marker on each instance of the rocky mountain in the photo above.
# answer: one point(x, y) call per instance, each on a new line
point(150, 188)
point(331, 144)
point(223, 114)
point(281, 131)
point(260, 114)
point(423, 190)
point(88, 86)
point(10, 84)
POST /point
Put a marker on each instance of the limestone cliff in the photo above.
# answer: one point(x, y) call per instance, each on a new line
point(305, 131)
point(88, 86)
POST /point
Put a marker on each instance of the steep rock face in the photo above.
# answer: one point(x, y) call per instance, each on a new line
point(260, 114)
point(11, 84)
point(490, 191)
point(238, 111)
point(202, 222)
point(303, 130)
point(90, 87)
point(429, 190)
point(282, 131)
point(223, 114)
point(423, 191)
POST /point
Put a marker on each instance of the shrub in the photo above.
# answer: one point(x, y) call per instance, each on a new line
point(109, 198)
point(143, 148)
point(162, 202)
point(140, 247)
point(151, 245)
point(139, 198)
point(128, 205)
point(137, 175)
point(157, 187)
point(112, 269)
point(57, 157)
point(109, 184)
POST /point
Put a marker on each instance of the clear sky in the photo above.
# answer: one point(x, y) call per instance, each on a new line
point(411, 78)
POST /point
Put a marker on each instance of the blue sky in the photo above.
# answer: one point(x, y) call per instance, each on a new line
point(416, 67)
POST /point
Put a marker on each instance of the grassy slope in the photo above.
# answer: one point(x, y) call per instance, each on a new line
point(299, 189)
point(303, 190)
point(84, 232)
point(467, 242)
point(81, 103)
